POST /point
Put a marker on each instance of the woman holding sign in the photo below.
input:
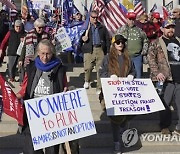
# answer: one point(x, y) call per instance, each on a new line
point(45, 75)
point(117, 64)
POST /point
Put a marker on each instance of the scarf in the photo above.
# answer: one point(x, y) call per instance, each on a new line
point(48, 66)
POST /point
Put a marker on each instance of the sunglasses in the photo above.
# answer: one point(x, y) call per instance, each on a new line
point(118, 42)
point(94, 17)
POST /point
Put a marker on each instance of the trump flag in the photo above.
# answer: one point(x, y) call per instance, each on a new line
point(11, 105)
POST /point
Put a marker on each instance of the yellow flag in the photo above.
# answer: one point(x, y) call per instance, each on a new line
point(128, 4)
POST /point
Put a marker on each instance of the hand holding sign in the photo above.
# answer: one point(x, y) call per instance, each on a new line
point(114, 77)
point(130, 77)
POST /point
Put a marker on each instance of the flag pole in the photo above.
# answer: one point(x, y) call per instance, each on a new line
point(21, 5)
point(62, 10)
point(163, 2)
point(85, 3)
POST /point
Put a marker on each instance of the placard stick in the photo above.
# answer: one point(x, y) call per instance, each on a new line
point(68, 150)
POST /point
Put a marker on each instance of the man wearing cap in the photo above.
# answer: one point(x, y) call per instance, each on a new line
point(137, 43)
point(156, 20)
point(176, 17)
point(95, 43)
point(164, 63)
point(12, 40)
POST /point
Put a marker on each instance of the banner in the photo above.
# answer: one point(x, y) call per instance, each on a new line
point(59, 118)
point(11, 105)
point(130, 98)
point(75, 32)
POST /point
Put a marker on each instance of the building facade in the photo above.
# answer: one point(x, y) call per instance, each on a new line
point(148, 4)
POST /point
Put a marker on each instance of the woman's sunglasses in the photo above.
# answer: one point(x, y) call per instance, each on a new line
point(119, 41)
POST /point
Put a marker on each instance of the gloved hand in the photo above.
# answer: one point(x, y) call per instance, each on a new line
point(114, 77)
point(130, 78)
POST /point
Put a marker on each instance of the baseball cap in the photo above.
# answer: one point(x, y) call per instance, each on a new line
point(119, 37)
point(131, 15)
point(77, 13)
point(156, 15)
point(168, 22)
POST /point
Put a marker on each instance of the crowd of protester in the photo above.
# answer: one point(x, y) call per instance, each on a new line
point(147, 39)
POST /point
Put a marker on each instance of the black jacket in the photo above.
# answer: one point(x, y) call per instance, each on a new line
point(56, 76)
point(14, 41)
point(87, 47)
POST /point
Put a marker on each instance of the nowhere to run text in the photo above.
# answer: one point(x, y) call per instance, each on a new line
point(63, 132)
point(63, 106)
point(59, 112)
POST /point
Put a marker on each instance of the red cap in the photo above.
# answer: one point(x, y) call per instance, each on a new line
point(131, 15)
point(156, 15)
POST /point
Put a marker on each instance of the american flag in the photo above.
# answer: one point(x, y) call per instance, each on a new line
point(98, 5)
point(111, 15)
point(138, 8)
point(9, 4)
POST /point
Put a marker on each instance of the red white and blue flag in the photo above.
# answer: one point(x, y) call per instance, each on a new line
point(110, 14)
point(138, 7)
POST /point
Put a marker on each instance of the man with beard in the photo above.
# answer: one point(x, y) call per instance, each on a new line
point(164, 63)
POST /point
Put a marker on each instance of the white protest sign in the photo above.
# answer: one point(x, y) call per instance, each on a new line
point(59, 118)
point(63, 38)
point(128, 98)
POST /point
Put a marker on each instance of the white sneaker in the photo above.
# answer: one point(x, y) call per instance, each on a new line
point(86, 85)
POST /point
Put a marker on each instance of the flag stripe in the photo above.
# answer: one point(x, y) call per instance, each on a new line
point(118, 13)
point(113, 16)
point(138, 8)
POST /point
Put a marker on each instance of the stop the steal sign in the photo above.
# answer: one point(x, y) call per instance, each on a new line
point(124, 97)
